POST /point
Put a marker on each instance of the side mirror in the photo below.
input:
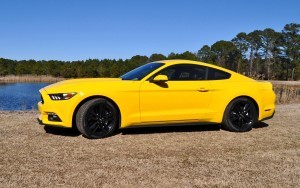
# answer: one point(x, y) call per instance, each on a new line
point(160, 78)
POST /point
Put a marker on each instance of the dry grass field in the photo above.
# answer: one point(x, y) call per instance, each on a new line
point(197, 156)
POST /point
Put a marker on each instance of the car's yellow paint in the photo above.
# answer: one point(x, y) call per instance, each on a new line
point(143, 102)
point(180, 101)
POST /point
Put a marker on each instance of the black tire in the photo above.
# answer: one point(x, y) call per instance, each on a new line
point(97, 118)
point(240, 115)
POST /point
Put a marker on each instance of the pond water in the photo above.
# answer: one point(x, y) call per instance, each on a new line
point(20, 96)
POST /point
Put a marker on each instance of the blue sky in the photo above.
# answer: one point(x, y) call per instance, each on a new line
point(79, 30)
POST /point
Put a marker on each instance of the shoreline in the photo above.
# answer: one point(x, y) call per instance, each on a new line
point(29, 78)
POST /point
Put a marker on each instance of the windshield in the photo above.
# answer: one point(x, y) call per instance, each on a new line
point(140, 72)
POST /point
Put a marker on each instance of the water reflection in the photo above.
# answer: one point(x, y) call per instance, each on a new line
point(20, 96)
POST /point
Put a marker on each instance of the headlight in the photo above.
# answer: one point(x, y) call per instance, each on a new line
point(62, 96)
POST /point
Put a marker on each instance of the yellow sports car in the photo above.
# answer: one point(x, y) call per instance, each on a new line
point(159, 93)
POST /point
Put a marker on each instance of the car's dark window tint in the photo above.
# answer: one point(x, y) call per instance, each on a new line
point(184, 72)
point(214, 74)
point(142, 71)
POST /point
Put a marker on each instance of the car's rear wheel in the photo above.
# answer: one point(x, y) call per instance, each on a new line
point(240, 115)
point(97, 118)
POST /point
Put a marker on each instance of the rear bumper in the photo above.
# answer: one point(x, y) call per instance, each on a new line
point(267, 103)
point(270, 117)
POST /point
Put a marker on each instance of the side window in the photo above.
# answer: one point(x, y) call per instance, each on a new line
point(185, 72)
point(214, 74)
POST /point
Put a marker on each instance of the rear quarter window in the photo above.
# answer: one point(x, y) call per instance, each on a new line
point(214, 74)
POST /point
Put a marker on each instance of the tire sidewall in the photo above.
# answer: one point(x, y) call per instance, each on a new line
point(83, 112)
point(226, 118)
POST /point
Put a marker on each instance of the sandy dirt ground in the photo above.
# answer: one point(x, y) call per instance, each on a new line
point(194, 156)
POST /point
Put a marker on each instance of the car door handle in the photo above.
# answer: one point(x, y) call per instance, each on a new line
point(203, 90)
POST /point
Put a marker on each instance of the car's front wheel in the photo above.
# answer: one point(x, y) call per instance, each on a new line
point(240, 115)
point(97, 118)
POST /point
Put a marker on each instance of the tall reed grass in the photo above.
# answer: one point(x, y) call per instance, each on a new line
point(287, 91)
point(30, 78)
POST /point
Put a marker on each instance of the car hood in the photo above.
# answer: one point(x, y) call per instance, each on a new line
point(73, 85)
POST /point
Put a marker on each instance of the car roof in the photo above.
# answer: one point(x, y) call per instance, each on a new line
point(182, 61)
point(179, 61)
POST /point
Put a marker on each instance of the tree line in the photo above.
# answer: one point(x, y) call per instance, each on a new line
point(260, 54)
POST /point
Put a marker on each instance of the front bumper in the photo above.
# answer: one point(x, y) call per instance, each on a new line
point(49, 109)
point(44, 119)
point(39, 121)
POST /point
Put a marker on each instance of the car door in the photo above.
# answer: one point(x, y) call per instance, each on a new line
point(184, 97)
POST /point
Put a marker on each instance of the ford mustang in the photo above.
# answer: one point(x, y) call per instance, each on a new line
point(160, 93)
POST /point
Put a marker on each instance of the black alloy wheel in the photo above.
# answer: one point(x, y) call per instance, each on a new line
point(240, 115)
point(97, 118)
